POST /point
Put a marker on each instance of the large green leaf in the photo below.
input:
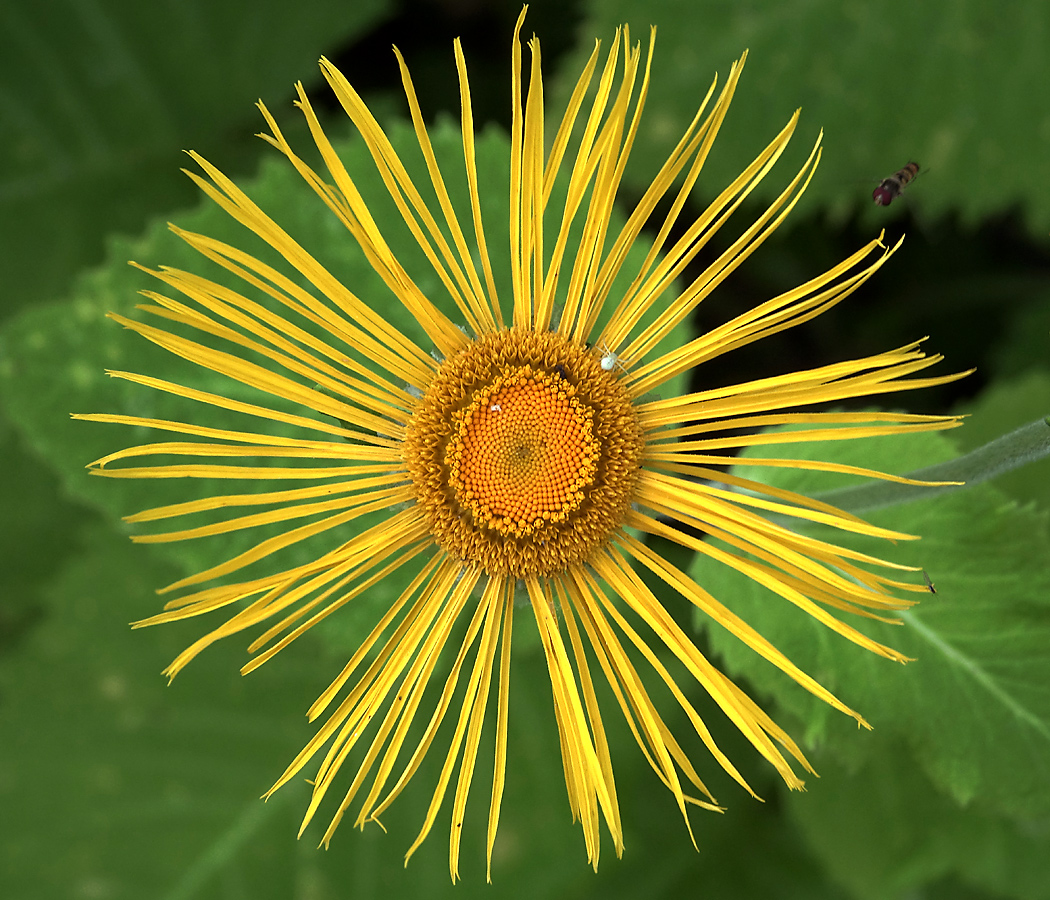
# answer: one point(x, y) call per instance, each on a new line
point(973, 708)
point(99, 98)
point(752, 850)
point(1005, 406)
point(116, 785)
point(38, 532)
point(946, 84)
point(55, 356)
point(112, 783)
point(884, 832)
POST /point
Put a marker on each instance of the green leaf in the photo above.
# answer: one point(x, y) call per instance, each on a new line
point(883, 832)
point(1004, 406)
point(945, 84)
point(101, 97)
point(112, 782)
point(116, 785)
point(973, 708)
point(54, 357)
point(42, 531)
point(55, 360)
point(751, 850)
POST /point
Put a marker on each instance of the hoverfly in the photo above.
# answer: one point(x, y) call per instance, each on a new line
point(889, 189)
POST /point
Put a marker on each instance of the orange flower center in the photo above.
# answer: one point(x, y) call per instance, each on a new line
point(523, 452)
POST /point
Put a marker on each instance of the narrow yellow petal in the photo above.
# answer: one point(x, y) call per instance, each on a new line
point(237, 204)
point(584, 767)
point(393, 352)
point(610, 568)
point(486, 657)
point(252, 409)
point(499, 775)
point(467, 123)
point(522, 310)
point(638, 709)
point(594, 718)
point(615, 570)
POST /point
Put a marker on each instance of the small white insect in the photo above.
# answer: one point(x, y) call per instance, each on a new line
point(610, 360)
point(495, 408)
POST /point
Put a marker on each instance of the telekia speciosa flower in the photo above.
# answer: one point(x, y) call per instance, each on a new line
point(516, 459)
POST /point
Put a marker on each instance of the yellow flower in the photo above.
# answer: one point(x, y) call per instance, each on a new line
point(520, 458)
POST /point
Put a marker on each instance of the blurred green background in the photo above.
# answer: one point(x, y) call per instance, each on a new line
point(113, 785)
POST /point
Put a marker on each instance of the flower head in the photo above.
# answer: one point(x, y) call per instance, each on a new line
point(520, 455)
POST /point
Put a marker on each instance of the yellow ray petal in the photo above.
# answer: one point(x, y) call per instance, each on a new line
point(435, 584)
point(583, 769)
point(608, 568)
point(227, 501)
point(289, 355)
point(478, 693)
point(252, 409)
point(277, 330)
point(700, 501)
point(400, 357)
point(469, 157)
point(237, 204)
point(270, 634)
point(499, 774)
point(285, 447)
point(620, 576)
point(637, 707)
point(467, 284)
point(704, 601)
point(695, 145)
point(594, 717)
point(410, 696)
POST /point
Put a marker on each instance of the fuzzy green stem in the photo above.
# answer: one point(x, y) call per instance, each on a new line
point(1027, 444)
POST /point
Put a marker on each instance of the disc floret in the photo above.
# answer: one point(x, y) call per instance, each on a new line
point(523, 452)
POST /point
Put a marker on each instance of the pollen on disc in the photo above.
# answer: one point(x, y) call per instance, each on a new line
point(524, 450)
